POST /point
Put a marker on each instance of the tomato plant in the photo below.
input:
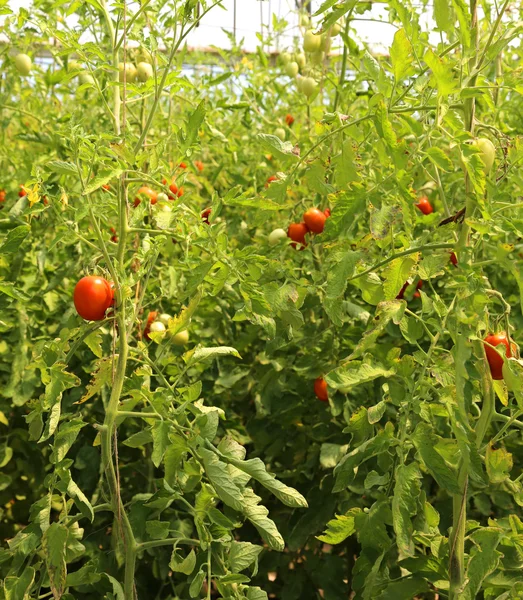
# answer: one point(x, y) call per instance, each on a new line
point(246, 421)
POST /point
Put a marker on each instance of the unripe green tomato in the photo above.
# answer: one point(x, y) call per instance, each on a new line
point(292, 69)
point(85, 77)
point(157, 327)
point(276, 236)
point(162, 198)
point(317, 58)
point(299, 83)
point(301, 59)
point(166, 208)
point(487, 152)
point(130, 72)
point(74, 65)
point(181, 338)
point(305, 20)
point(285, 57)
point(325, 42)
point(309, 86)
point(146, 243)
point(280, 133)
point(144, 71)
point(164, 318)
point(336, 29)
point(23, 64)
point(311, 41)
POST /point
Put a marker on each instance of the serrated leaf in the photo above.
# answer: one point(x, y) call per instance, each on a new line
point(54, 543)
point(160, 433)
point(499, 463)
point(242, 555)
point(65, 438)
point(258, 516)
point(157, 530)
point(355, 373)
point(401, 55)
point(102, 178)
point(441, 73)
point(185, 565)
point(404, 506)
point(440, 159)
point(14, 239)
point(396, 273)
point(220, 479)
point(340, 528)
point(102, 376)
point(273, 144)
point(139, 439)
point(61, 167)
point(200, 354)
point(384, 126)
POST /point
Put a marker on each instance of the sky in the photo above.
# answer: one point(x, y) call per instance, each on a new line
point(250, 14)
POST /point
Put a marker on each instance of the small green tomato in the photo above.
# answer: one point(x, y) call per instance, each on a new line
point(23, 64)
point(292, 69)
point(311, 41)
point(181, 338)
point(280, 133)
point(144, 71)
point(276, 236)
point(164, 318)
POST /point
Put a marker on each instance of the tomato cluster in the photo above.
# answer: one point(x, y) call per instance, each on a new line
point(313, 221)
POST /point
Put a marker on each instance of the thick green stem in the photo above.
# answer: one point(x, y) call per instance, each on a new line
point(343, 66)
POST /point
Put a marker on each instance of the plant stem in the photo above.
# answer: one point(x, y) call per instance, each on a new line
point(386, 261)
point(343, 65)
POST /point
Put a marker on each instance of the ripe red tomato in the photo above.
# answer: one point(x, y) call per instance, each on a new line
point(92, 296)
point(419, 285)
point(270, 180)
point(45, 200)
point(424, 205)
point(205, 215)
point(454, 259)
point(180, 192)
point(148, 192)
point(22, 192)
point(151, 318)
point(114, 238)
point(112, 229)
point(495, 361)
point(327, 212)
point(106, 186)
point(315, 220)
point(199, 165)
point(289, 119)
point(183, 165)
point(2, 195)
point(320, 389)
point(297, 233)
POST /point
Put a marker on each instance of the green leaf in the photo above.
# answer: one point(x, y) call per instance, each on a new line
point(345, 470)
point(256, 469)
point(384, 126)
point(62, 167)
point(410, 587)
point(340, 528)
point(273, 144)
point(242, 555)
point(194, 123)
point(54, 543)
point(345, 165)
point(499, 463)
point(355, 373)
point(440, 159)
point(443, 16)
point(220, 479)
point(441, 73)
point(101, 376)
point(484, 559)
point(157, 530)
point(258, 516)
point(185, 565)
point(102, 178)
point(425, 441)
point(18, 588)
point(401, 55)
point(396, 273)
point(382, 220)
point(200, 354)
point(463, 14)
point(139, 439)
point(196, 584)
point(117, 588)
point(160, 433)
point(14, 239)
point(65, 438)
point(404, 507)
